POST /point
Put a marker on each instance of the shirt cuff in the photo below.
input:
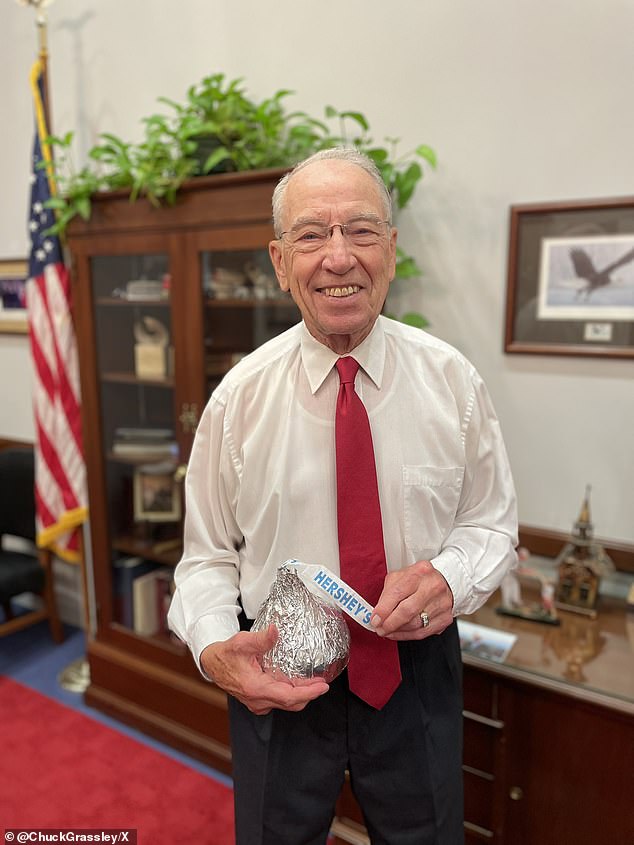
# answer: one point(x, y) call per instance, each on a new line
point(450, 567)
point(214, 628)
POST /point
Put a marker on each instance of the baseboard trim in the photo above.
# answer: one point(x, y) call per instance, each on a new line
point(10, 443)
point(548, 543)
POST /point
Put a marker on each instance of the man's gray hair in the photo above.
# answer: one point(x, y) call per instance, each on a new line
point(351, 154)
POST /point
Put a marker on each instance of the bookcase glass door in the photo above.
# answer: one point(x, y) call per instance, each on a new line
point(244, 307)
point(131, 295)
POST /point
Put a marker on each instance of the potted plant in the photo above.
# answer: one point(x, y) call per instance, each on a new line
point(219, 128)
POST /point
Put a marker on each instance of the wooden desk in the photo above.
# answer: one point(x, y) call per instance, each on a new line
point(549, 735)
point(556, 763)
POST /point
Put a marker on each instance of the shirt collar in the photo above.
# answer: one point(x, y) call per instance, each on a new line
point(318, 359)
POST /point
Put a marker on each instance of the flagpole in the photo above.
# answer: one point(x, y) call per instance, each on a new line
point(76, 676)
point(42, 40)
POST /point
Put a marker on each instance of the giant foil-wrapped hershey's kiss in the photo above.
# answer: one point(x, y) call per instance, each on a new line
point(313, 642)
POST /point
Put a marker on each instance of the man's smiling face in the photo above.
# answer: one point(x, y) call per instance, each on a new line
point(339, 288)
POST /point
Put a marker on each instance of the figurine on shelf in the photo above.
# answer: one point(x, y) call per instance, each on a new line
point(581, 565)
point(227, 283)
point(151, 349)
point(265, 285)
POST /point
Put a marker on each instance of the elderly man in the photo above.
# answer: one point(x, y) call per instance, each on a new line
point(370, 448)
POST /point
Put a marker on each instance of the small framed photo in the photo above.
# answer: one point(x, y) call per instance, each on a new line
point(157, 496)
point(571, 279)
point(13, 277)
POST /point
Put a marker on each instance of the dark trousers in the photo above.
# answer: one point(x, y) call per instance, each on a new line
point(405, 761)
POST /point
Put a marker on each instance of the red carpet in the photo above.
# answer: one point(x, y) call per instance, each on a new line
point(63, 769)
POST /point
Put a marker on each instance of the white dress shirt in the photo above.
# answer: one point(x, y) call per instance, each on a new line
point(261, 483)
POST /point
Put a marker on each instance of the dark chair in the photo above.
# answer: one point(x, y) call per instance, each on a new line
point(28, 570)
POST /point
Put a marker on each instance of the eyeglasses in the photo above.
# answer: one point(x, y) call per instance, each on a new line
point(311, 237)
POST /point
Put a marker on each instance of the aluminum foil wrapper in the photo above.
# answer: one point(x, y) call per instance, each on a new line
point(313, 642)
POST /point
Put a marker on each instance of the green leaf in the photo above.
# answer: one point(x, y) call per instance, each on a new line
point(170, 103)
point(283, 92)
point(405, 183)
point(55, 140)
point(387, 173)
point(219, 154)
point(413, 318)
point(427, 153)
point(406, 266)
point(331, 111)
point(356, 116)
point(116, 142)
point(100, 153)
point(55, 203)
point(378, 155)
point(413, 173)
point(83, 207)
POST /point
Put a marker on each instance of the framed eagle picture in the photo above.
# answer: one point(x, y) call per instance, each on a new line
point(570, 284)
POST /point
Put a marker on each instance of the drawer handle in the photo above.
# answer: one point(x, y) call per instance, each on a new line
point(475, 717)
point(516, 793)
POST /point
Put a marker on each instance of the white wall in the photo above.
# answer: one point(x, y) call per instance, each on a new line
point(523, 101)
point(16, 413)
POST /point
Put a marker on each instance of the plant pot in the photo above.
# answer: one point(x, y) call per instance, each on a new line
point(205, 145)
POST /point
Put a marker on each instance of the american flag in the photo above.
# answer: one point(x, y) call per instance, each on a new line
point(60, 476)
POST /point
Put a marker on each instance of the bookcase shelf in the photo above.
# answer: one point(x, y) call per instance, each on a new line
point(251, 303)
point(119, 302)
point(158, 552)
point(131, 378)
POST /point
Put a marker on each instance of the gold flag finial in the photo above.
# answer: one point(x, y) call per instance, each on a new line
point(39, 6)
point(40, 20)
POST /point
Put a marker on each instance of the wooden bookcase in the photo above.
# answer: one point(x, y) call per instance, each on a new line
point(151, 352)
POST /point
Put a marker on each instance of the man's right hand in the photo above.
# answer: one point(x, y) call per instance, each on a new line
point(233, 665)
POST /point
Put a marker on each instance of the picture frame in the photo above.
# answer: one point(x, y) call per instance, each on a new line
point(13, 278)
point(570, 284)
point(156, 494)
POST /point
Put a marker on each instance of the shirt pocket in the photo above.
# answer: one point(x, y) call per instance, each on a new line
point(430, 498)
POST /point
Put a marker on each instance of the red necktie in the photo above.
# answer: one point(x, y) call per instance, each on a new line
point(374, 671)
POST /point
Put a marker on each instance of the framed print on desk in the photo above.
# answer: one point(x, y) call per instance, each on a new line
point(571, 279)
point(13, 275)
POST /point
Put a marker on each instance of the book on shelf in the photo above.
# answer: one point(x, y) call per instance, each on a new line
point(164, 591)
point(144, 450)
point(144, 443)
point(146, 289)
point(143, 434)
point(125, 571)
point(151, 597)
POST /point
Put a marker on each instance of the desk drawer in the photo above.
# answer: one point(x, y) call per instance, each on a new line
point(480, 741)
point(478, 799)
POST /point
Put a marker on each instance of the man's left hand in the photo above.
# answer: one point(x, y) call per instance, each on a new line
point(408, 593)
